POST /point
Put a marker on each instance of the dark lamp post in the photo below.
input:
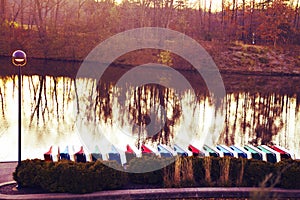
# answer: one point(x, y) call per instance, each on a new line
point(19, 60)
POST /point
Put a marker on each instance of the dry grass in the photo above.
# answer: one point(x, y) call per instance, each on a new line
point(225, 168)
point(207, 168)
point(239, 181)
point(187, 170)
point(168, 177)
point(180, 174)
point(177, 171)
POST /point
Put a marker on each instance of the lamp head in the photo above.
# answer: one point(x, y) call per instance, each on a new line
point(19, 58)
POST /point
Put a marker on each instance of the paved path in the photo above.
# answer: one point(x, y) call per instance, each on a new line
point(6, 170)
point(169, 193)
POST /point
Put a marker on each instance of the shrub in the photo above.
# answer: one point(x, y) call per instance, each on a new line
point(147, 169)
point(236, 173)
point(168, 176)
point(67, 176)
point(183, 172)
point(110, 175)
point(27, 173)
point(224, 171)
point(289, 172)
point(199, 171)
point(72, 177)
point(215, 170)
point(255, 172)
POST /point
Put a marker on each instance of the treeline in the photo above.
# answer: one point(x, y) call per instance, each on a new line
point(71, 28)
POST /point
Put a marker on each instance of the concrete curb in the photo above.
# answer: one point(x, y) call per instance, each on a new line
point(7, 183)
point(166, 193)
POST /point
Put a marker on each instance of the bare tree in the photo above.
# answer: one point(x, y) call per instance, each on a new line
point(243, 21)
point(223, 11)
point(209, 17)
point(57, 4)
point(233, 10)
point(169, 7)
point(80, 5)
point(296, 19)
point(2, 10)
point(251, 31)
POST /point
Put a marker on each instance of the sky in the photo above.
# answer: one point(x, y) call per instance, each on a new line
point(216, 4)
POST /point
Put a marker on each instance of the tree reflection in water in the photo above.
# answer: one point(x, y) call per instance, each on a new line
point(54, 103)
point(258, 118)
point(49, 96)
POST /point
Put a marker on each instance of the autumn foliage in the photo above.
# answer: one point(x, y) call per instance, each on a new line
point(69, 29)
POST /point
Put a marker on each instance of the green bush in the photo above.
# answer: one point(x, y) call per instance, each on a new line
point(198, 170)
point(237, 169)
point(183, 172)
point(215, 170)
point(67, 176)
point(289, 172)
point(256, 171)
point(147, 169)
point(27, 173)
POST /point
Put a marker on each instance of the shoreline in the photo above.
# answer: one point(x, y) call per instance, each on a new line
point(229, 58)
point(222, 70)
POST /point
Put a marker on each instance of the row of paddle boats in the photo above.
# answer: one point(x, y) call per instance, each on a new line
point(272, 153)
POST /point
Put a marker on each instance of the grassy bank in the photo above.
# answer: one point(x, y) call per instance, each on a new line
point(229, 55)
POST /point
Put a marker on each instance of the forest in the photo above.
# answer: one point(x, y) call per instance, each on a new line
point(70, 29)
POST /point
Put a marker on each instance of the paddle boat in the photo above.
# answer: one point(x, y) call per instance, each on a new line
point(114, 155)
point(170, 149)
point(241, 153)
point(164, 152)
point(256, 153)
point(96, 155)
point(292, 154)
point(80, 156)
point(211, 151)
point(234, 153)
point(146, 151)
point(272, 155)
point(129, 153)
point(65, 154)
point(195, 151)
point(48, 155)
point(221, 153)
point(179, 151)
point(283, 154)
point(225, 151)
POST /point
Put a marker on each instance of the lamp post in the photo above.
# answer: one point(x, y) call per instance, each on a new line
point(19, 60)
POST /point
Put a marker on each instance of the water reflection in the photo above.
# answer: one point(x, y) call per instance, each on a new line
point(67, 111)
point(261, 119)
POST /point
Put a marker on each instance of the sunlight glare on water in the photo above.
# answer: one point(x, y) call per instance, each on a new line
point(53, 114)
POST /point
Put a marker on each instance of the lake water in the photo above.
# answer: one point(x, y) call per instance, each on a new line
point(60, 109)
